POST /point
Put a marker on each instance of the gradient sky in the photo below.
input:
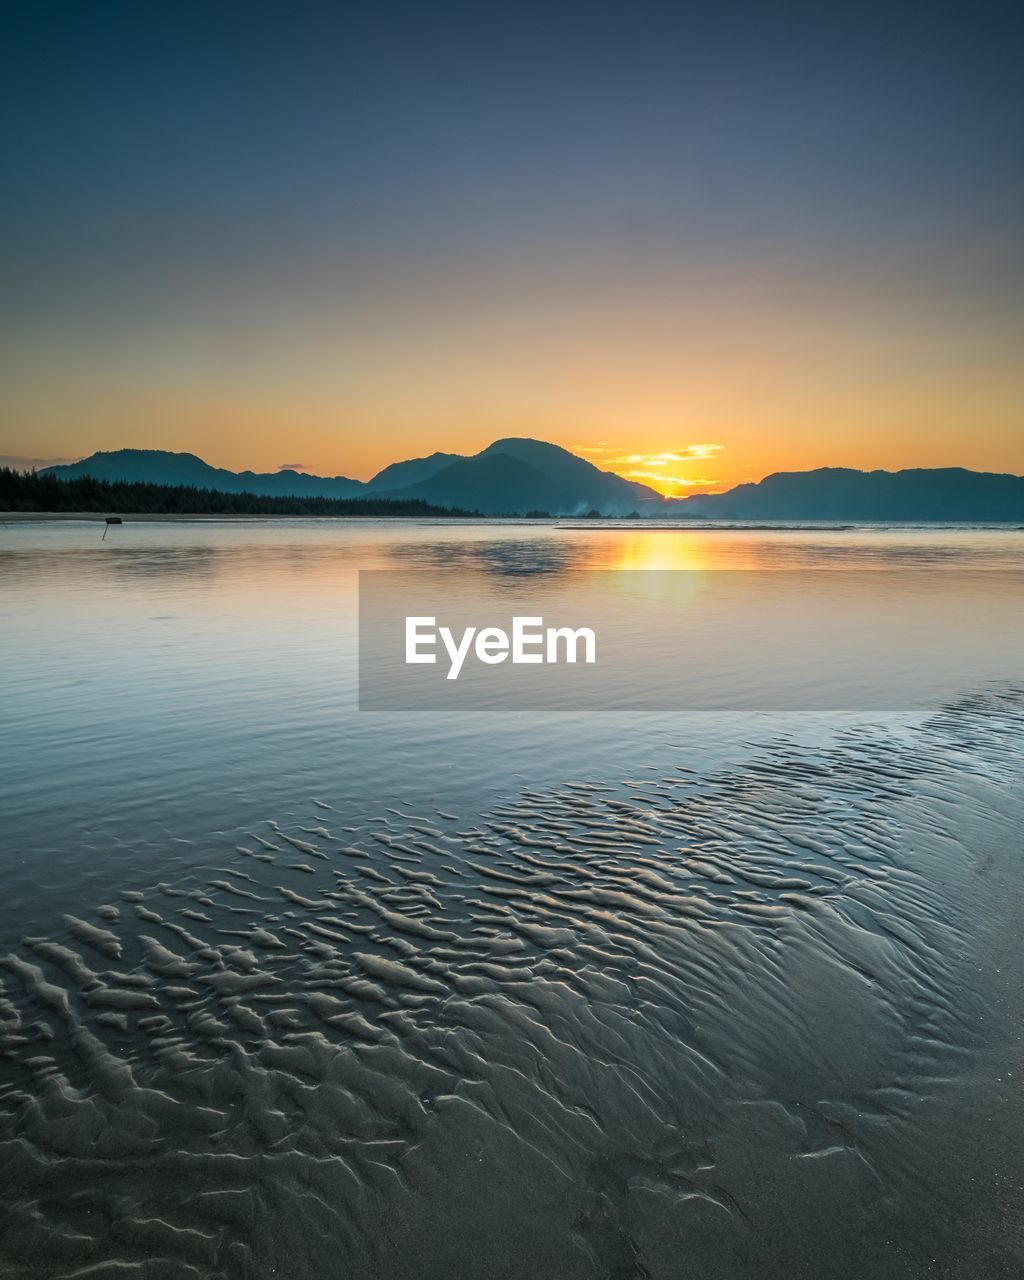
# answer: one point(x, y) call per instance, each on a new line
point(694, 242)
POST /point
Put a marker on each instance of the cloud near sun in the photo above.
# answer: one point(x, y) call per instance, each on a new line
point(645, 466)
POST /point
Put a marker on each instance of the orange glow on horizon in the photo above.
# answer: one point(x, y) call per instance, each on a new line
point(664, 471)
point(688, 373)
point(735, 408)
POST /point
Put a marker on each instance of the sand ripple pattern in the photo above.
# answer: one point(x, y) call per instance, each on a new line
point(678, 1025)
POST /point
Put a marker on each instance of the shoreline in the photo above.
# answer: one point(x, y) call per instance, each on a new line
point(211, 517)
point(566, 523)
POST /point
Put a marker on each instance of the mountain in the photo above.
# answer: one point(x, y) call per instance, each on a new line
point(511, 477)
point(840, 493)
point(157, 466)
point(493, 485)
point(576, 474)
point(400, 474)
point(517, 475)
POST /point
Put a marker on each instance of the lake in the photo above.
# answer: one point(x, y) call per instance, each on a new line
point(657, 982)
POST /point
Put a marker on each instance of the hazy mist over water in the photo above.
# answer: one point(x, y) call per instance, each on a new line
point(290, 985)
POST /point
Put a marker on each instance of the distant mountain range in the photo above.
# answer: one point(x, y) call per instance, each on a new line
point(157, 466)
point(519, 476)
point(509, 477)
point(840, 493)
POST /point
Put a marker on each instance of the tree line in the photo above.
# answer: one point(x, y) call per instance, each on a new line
point(39, 491)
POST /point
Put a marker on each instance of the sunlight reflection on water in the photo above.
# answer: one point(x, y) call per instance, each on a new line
point(171, 680)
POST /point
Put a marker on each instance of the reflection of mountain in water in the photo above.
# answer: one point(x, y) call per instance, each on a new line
point(511, 557)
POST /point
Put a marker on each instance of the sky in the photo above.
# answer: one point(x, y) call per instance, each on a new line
point(693, 243)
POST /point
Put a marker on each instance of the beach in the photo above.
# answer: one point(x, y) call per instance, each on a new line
point(293, 989)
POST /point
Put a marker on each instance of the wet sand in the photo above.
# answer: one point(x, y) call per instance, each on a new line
point(760, 1021)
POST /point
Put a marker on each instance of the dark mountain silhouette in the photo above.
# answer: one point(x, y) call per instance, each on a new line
point(500, 484)
point(840, 493)
point(509, 477)
point(575, 473)
point(157, 466)
point(516, 476)
point(519, 475)
point(416, 470)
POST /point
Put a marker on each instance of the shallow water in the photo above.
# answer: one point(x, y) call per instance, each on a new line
point(292, 989)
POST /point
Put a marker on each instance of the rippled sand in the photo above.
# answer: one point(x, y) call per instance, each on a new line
point(763, 1022)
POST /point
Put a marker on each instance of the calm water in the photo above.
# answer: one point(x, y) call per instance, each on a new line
point(294, 989)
